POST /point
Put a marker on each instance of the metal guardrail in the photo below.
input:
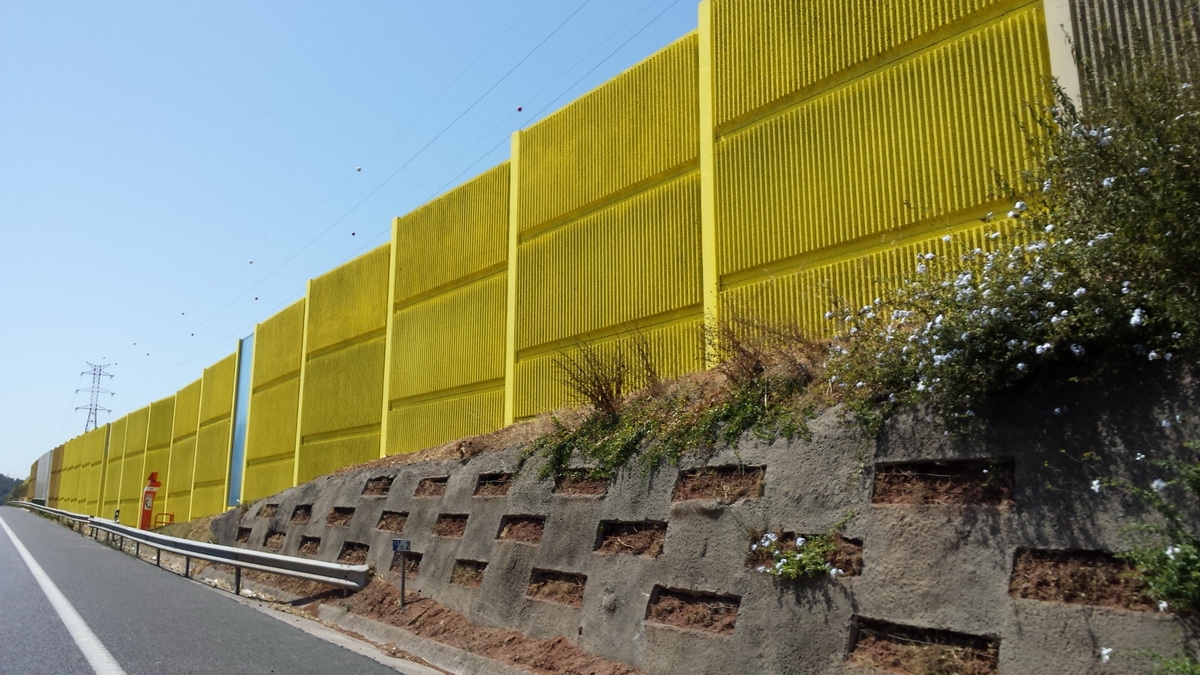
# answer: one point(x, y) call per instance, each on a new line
point(351, 577)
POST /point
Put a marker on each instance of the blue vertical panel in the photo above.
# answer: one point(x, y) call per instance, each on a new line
point(241, 410)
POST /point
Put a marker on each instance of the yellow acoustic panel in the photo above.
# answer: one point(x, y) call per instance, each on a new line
point(319, 458)
point(349, 302)
point(635, 127)
point(674, 350)
point(278, 342)
point(94, 447)
point(69, 482)
point(216, 393)
point(635, 259)
point(114, 468)
point(343, 389)
point(266, 477)
point(453, 237)
point(183, 451)
point(132, 477)
point(212, 468)
point(158, 442)
point(917, 141)
point(450, 340)
point(424, 424)
point(766, 50)
point(271, 438)
point(803, 297)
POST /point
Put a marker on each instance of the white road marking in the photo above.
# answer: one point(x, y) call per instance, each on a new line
point(93, 650)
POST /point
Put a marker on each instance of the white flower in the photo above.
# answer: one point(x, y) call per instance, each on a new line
point(1154, 356)
point(760, 569)
point(946, 239)
point(1096, 486)
point(1143, 171)
point(1108, 182)
point(1162, 605)
point(1079, 292)
point(1171, 551)
point(1050, 227)
point(921, 269)
point(800, 541)
point(1138, 318)
point(1019, 207)
point(1158, 485)
point(1105, 654)
point(835, 573)
point(1043, 348)
point(828, 315)
point(1021, 367)
point(1077, 350)
point(1139, 457)
point(929, 256)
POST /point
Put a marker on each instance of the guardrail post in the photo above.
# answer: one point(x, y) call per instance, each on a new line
point(137, 549)
point(158, 557)
point(237, 580)
point(187, 566)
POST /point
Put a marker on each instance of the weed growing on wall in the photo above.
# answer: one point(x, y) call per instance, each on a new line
point(760, 386)
point(802, 558)
point(1093, 268)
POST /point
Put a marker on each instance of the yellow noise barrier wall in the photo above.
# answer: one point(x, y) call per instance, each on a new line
point(608, 225)
point(132, 477)
point(274, 399)
point(843, 147)
point(341, 382)
point(183, 452)
point(785, 156)
point(93, 448)
point(210, 482)
point(113, 468)
point(446, 376)
point(158, 449)
point(56, 466)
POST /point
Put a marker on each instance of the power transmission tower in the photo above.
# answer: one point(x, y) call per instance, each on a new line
point(94, 407)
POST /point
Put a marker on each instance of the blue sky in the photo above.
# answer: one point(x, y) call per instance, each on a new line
point(173, 173)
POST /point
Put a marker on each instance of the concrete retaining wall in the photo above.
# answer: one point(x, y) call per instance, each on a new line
point(927, 566)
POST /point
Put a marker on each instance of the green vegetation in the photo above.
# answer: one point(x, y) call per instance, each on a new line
point(8, 486)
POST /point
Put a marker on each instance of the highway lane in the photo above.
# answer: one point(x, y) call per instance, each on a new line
point(150, 620)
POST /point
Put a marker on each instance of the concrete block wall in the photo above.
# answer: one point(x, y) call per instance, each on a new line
point(926, 566)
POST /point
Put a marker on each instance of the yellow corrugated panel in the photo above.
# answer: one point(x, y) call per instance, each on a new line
point(319, 458)
point(636, 259)
point(158, 448)
point(132, 477)
point(349, 302)
point(915, 142)
point(768, 50)
point(450, 340)
point(342, 382)
point(213, 438)
point(803, 297)
point(278, 342)
point(69, 483)
point(183, 452)
point(114, 468)
point(423, 424)
point(94, 449)
point(637, 126)
point(674, 350)
point(343, 390)
point(271, 438)
point(453, 237)
point(275, 395)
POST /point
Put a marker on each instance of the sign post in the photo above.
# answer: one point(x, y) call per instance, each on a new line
point(402, 546)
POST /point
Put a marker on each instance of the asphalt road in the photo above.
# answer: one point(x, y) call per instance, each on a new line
point(150, 620)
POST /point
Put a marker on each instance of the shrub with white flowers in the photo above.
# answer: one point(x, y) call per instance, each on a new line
point(1094, 267)
point(801, 558)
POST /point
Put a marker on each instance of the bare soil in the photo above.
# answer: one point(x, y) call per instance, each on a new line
point(434, 486)
point(726, 484)
point(694, 611)
point(561, 587)
point(309, 546)
point(378, 486)
point(302, 513)
point(268, 511)
point(392, 521)
point(450, 525)
point(644, 538)
point(430, 619)
point(243, 535)
point(525, 529)
point(468, 573)
point(274, 541)
point(575, 482)
point(1078, 577)
point(916, 651)
point(950, 482)
point(340, 516)
point(493, 484)
point(354, 553)
point(412, 564)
